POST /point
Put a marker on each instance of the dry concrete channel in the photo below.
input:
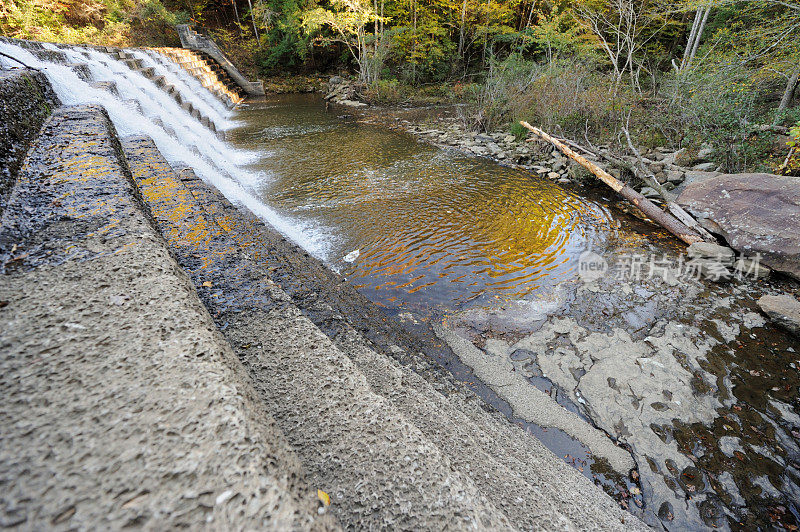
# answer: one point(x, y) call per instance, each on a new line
point(175, 354)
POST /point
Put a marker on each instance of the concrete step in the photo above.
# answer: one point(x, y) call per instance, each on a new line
point(109, 86)
point(81, 69)
point(380, 469)
point(54, 56)
point(26, 100)
point(148, 72)
point(122, 404)
point(501, 459)
point(133, 63)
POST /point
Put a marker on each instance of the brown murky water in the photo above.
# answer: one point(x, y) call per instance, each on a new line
point(428, 233)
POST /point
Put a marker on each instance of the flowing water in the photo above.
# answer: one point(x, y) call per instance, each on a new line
point(412, 225)
point(434, 236)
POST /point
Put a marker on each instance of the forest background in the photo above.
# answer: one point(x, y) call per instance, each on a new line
point(717, 75)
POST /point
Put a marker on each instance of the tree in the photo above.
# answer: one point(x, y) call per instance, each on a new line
point(624, 28)
point(347, 24)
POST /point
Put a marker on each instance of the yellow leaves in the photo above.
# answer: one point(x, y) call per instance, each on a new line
point(207, 284)
point(324, 497)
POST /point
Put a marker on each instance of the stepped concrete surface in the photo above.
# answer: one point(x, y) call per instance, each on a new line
point(207, 72)
point(122, 404)
point(391, 449)
point(192, 39)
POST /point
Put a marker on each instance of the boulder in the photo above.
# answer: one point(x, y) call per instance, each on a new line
point(751, 268)
point(351, 103)
point(704, 167)
point(705, 153)
point(783, 310)
point(674, 176)
point(708, 250)
point(755, 213)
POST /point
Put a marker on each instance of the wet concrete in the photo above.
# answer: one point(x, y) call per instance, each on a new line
point(121, 404)
point(26, 100)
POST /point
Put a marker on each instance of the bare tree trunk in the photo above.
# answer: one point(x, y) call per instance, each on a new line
point(791, 85)
point(236, 15)
point(414, 63)
point(665, 220)
point(253, 18)
point(699, 35)
point(690, 44)
point(461, 31)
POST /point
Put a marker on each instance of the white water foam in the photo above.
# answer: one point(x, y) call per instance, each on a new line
point(181, 139)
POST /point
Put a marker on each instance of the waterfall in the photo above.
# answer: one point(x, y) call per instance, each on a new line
point(182, 140)
point(208, 104)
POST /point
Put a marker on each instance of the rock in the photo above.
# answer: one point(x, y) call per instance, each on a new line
point(751, 268)
point(710, 268)
point(508, 139)
point(650, 193)
point(565, 180)
point(479, 150)
point(755, 213)
point(493, 148)
point(705, 167)
point(708, 250)
point(705, 152)
point(335, 80)
point(783, 310)
point(553, 175)
point(352, 103)
point(670, 158)
point(674, 176)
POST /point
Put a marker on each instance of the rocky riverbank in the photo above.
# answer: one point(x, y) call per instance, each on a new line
point(671, 168)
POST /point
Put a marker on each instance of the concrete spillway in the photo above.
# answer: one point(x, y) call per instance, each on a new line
point(170, 360)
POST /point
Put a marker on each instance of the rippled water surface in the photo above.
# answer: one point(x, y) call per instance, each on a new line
point(430, 227)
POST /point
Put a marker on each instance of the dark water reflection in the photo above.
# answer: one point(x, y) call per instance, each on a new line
point(432, 228)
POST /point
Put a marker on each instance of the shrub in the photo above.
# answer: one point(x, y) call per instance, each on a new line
point(519, 131)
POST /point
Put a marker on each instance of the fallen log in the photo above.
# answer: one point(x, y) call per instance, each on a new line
point(665, 220)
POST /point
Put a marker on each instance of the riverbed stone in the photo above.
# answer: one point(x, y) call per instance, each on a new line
point(755, 213)
point(704, 167)
point(674, 176)
point(783, 310)
point(751, 268)
point(709, 250)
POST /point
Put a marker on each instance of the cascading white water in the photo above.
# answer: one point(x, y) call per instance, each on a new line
point(182, 140)
point(187, 86)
